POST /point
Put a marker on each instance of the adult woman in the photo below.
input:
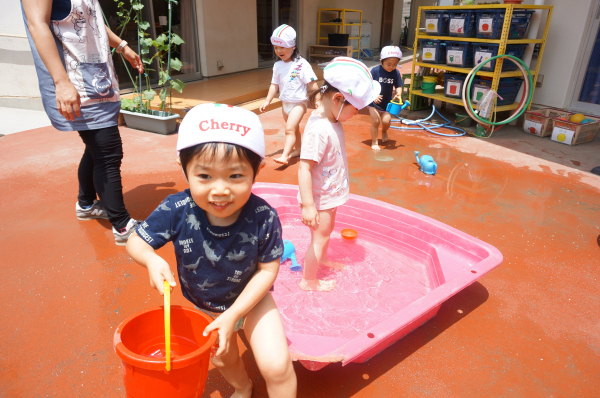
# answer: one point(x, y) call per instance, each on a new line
point(71, 49)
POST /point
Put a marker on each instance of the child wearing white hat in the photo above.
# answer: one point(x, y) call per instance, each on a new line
point(323, 171)
point(227, 243)
point(389, 77)
point(291, 76)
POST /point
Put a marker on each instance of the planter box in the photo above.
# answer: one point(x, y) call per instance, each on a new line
point(153, 123)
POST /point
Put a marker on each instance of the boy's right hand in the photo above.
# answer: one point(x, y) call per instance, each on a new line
point(159, 271)
point(378, 99)
point(264, 106)
point(310, 216)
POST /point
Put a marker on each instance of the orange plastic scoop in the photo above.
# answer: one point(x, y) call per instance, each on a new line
point(349, 233)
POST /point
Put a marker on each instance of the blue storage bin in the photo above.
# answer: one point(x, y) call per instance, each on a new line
point(436, 23)
point(508, 88)
point(489, 23)
point(484, 51)
point(519, 23)
point(434, 51)
point(516, 50)
point(459, 54)
point(462, 23)
point(453, 84)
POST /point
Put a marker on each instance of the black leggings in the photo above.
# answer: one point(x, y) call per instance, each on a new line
point(100, 173)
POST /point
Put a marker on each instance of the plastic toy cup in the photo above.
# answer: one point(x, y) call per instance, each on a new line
point(140, 343)
point(349, 234)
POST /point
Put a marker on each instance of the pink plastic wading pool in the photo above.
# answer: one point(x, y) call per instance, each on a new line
point(399, 270)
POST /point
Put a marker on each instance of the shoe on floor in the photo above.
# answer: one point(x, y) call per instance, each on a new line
point(122, 237)
point(94, 212)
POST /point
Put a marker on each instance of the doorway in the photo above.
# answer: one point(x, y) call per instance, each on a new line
point(586, 97)
point(269, 15)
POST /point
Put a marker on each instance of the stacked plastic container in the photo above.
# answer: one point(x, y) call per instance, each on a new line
point(483, 24)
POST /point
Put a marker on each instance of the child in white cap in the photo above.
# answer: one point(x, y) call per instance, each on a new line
point(323, 171)
point(227, 243)
point(389, 77)
point(291, 76)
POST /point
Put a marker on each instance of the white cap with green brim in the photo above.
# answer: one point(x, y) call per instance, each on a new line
point(353, 79)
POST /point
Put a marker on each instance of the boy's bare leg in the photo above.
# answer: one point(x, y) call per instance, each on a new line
point(324, 261)
point(292, 131)
point(314, 255)
point(375, 122)
point(386, 120)
point(232, 368)
point(266, 336)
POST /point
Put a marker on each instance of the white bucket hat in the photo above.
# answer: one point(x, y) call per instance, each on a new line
point(221, 123)
point(284, 36)
point(389, 52)
point(353, 79)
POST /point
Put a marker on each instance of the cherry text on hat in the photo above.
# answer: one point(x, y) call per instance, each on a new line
point(389, 52)
point(221, 123)
point(284, 36)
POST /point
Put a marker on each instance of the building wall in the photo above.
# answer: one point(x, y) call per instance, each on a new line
point(397, 23)
point(19, 87)
point(227, 33)
point(568, 29)
point(309, 10)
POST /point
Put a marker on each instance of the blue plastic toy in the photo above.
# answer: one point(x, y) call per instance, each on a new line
point(428, 165)
point(289, 252)
point(395, 107)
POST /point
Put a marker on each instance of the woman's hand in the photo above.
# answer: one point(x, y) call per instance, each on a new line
point(68, 102)
point(310, 216)
point(264, 106)
point(225, 326)
point(133, 58)
point(378, 99)
point(159, 271)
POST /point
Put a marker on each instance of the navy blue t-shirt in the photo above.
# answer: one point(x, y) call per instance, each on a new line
point(214, 263)
point(389, 81)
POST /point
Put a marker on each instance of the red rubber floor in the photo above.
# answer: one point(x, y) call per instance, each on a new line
point(528, 329)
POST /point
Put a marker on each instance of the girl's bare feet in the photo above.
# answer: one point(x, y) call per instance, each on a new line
point(375, 147)
point(245, 393)
point(333, 265)
point(317, 285)
point(384, 137)
point(282, 159)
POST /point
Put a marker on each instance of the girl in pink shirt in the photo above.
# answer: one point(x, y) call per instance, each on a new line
point(323, 171)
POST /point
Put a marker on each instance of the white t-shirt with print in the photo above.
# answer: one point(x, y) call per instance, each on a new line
point(292, 78)
point(323, 142)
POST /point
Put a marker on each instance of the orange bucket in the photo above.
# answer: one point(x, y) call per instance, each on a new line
point(140, 343)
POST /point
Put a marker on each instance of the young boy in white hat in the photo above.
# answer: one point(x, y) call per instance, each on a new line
point(389, 77)
point(291, 76)
point(227, 243)
point(323, 172)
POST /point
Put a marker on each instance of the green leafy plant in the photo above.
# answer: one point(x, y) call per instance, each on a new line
point(151, 50)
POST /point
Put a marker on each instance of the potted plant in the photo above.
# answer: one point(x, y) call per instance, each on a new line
point(137, 111)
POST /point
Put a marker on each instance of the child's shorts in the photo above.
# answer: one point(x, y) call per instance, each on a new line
point(214, 315)
point(288, 106)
